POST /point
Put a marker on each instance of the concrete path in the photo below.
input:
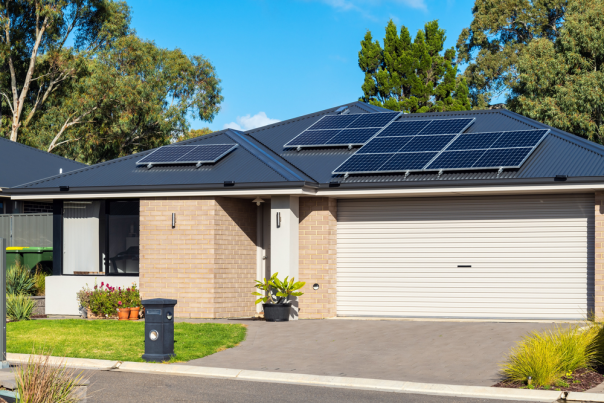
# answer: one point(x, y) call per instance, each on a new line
point(454, 353)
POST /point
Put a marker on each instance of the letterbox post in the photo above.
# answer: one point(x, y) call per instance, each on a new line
point(3, 361)
point(159, 329)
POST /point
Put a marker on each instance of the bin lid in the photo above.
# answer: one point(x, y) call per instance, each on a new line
point(15, 247)
point(33, 249)
point(159, 301)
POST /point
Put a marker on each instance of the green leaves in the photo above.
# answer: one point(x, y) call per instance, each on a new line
point(278, 291)
point(498, 36)
point(411, 76)
point(561, 83)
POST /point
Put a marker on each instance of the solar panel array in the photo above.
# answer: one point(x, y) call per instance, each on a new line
point(342, 130)
point(435, 145)
point(187, 154)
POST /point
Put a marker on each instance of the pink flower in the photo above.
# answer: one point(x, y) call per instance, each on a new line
point(128, 289)
point(119, 288)
point(95, 287)
point(119, 302)
point(102, 284)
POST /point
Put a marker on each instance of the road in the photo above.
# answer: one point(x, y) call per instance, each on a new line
point(123, 387)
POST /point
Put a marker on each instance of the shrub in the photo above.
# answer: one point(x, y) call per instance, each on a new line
point(40, 382)
point(19, 280)
point(40, 280)
point(546, 356)
point(19, 307)
point(105, 299)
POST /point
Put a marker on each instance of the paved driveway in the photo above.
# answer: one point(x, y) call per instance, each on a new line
point(459, 353)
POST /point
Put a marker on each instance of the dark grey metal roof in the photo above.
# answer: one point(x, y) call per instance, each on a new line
point(21, 164)
point(261, 159)
point(240, 166)
point(560, 153)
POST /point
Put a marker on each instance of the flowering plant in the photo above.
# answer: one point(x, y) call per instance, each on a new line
point(106, 300)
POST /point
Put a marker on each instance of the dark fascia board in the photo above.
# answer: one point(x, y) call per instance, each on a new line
point(162, 188)
point(469, 183)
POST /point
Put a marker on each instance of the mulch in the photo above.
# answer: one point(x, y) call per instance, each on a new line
point(580, 381)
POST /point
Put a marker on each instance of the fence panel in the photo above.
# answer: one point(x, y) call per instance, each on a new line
point(32, 230)
point(5, 228)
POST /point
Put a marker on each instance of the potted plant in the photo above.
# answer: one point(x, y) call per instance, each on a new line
point(135, 301)
point(276, 298)
point(123, 311)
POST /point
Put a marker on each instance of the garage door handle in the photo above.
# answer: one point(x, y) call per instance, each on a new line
point(464, 265)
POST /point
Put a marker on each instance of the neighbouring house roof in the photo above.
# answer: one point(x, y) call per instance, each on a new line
point(22, 164)
point(261, 160)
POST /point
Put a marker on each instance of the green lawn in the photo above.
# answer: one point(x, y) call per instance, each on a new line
point(115, 340)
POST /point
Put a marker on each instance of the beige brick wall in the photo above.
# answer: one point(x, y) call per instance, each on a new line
point(317, 230)
point(599, 250)
point(207, 263)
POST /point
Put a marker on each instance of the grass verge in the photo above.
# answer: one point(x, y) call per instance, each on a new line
point(116, 340)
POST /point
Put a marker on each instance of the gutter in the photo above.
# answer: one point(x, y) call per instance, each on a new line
point(120, 192)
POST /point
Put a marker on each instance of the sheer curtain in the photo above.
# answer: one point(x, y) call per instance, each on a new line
point(81, 236)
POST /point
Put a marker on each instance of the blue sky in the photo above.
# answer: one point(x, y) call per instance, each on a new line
point(285, 58)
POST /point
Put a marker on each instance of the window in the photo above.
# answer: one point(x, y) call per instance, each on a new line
point(101, 236)
point(122, 237)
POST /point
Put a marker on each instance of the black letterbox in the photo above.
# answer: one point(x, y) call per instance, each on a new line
point(159, 329)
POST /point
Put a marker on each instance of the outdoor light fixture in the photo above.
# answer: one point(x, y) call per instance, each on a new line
point(153, 335)
point(278, 219)
point(258, 201)
point(173, 220)
point(315, 286)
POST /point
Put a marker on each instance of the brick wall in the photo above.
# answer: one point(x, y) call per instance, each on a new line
point(318, 226)
point(599, 250)
point(206, 262)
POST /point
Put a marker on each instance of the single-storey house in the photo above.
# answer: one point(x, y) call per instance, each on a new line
point(21, 164)
point(474, 214)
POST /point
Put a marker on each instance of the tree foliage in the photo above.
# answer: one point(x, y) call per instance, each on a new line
point(412, 75)
point(562, 83)
point(108, 95)
point(193, 133)
point(497, 37)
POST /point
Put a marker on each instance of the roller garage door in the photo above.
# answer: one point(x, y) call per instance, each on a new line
point(516, 257)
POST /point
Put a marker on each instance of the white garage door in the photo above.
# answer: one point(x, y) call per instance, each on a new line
point(517, 257)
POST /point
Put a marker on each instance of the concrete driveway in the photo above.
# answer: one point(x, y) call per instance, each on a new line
point(459, 353)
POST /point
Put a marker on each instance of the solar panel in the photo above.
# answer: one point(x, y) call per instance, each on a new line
point(372, 120)
point(352, 137)
point(446, 126)
point(427, 143)
point(348, 130)
point(313, 137)
point(334, 122)
point(410, 128)
point(427, 152)
point(187, 154)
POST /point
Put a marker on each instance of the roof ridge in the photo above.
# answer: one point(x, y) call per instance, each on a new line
point(578, 140)
point(86, 168)
point(279, 160)
point(42, 151)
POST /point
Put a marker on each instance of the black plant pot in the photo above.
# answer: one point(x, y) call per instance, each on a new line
point(276, 312)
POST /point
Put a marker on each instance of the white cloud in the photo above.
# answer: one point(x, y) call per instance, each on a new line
point(249, 122)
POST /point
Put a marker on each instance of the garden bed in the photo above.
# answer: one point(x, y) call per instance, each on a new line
point(116, 340)
point(582, 380)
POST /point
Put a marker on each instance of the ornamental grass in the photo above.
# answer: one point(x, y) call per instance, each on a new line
point(40, 381)
point(548, 355)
